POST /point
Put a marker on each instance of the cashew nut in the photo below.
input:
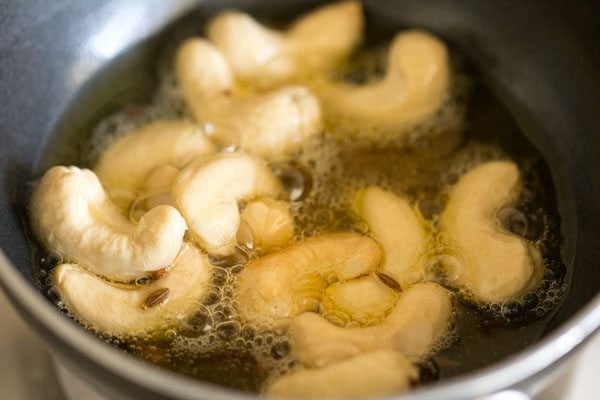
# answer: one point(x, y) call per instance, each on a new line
point(125, 165)
point(266, 125)
point(414, 326)
point(207, 191)
point(396, 227)
point(415, 86)
point(266, 224)
point(72, 215)
point(157, 190)
point(267, 57)
point(374, 374)
point(494, 265)
point(117, 310)
point(362, 299)
point(283, 284)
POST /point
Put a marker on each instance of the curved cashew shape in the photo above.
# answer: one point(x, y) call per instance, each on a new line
point(266, 224)
point(362, 299)
point(379, 373)
point(396, 227)
point(315, 41)
point(140, 152)
point(266, 125)
point(157, 190)
point(415, 86)
point(207, 191)
point(495, 265)
point(283, 284)
point(414, 326)
point(73, 216)
point(124, 311)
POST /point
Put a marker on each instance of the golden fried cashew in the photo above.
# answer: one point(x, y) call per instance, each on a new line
point(416, 324)
point(396, 227)
point(362, 299)
point(413, 89)
point(266, 224)
point(116, 310)
point(267, 125)
point(125, 165)
point(283, 284)
point(493, 264)
point(73, 216)
point(207, 194)
point(374, 374)
point(266, 57)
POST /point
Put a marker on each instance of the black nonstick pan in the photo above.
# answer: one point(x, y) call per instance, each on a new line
point(66, 64)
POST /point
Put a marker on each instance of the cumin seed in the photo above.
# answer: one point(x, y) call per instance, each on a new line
point(155, 298)
point(389, 281)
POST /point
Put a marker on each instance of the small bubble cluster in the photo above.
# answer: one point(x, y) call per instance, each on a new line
point(168, 104)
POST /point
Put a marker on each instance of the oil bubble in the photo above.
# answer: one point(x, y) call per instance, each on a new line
point(512, 310)
point(280, 349)
point(220, 276)
point(212, 297)
point(237, 257)
point(228, 330)
point(295, 179)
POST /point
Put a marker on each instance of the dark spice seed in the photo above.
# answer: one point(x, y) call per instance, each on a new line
point(159, 273)
point(157, 297)
point(389, 281)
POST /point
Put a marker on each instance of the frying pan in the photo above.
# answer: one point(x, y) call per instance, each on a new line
point(64, 64)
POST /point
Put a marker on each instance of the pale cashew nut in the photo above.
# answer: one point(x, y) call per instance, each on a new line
point(267, 124)
point(415, 86)
point(395, 225)
point(125, 165)
point(73, 216)
point(267, 57)
point(266, 224)
point(369, 375)
point(207, 194)
point(362, 299)
point(416, 324)
point(281, 285)
point(116, 310)
point(494, 265)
